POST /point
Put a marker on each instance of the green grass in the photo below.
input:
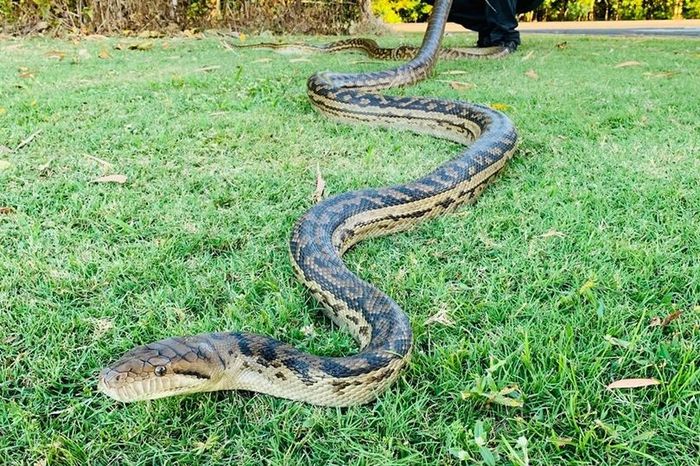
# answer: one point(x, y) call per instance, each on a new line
point(551, 279)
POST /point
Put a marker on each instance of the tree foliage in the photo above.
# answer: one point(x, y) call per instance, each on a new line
point(394, 11)
point(397, 11)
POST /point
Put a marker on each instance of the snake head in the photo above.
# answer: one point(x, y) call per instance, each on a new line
point(175, 366)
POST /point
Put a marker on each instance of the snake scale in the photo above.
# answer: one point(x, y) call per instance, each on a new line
point(242, 361)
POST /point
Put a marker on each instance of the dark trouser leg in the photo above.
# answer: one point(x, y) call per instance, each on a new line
point(494, 20)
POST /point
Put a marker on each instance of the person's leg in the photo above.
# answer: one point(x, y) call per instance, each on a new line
point(494, 20)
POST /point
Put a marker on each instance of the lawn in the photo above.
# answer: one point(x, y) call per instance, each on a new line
point(546, 290)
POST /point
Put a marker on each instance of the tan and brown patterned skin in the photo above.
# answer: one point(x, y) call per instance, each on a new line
point(231, 360)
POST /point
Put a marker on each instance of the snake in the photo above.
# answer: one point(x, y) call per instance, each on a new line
point(244, 361)
point(373, 50)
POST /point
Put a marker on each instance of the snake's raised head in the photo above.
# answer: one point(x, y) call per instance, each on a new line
point(175, 366)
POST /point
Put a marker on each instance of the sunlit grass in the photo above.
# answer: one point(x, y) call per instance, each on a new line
point(551, 280)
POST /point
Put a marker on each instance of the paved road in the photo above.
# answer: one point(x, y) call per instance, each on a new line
point(683, 32)
point(678, 28)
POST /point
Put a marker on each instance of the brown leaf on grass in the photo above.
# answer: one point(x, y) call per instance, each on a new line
point(101, 327)
point(440, 317)
point(25, 73)
point(149, 34)
point(207, 69)
point(6, 210)
point(500, 106)
point(143, 46)
point(661, 74)
point(193, 34)
point(119, 179)
point(45, 169)
point(460, 85)
point(320, 190)
point(658, 322)
point(626, 64)
point(532, 74)
point(562, 45)
point(552, 233)
point(55, 55)
point(632, 383)
point(102, 162)
point(104, 54)
point(120, 46)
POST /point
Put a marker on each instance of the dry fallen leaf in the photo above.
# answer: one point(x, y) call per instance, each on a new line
point(25, 73)
point(102, 162)
point(658, 322)
point(149, 34)
point(626, 64)
point(440, 317)
point(207, 69)
point(633, 383)
point(499, 106)
point(192, 33)
point(146, 45)
point(101, 327)
point(120, 46)
point(552, 233)
point(308, 330)
point(460, 85)
point(562, 45)
point(120, 179)
point(56, 55)
point(6, 210)
point(660, 74)
point(532, 74)
point(320, 187)
point(104, 54)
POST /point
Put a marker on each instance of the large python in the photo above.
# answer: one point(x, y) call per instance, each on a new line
point(242, 361)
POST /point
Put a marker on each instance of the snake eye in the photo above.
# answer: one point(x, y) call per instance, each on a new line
point(159, 371)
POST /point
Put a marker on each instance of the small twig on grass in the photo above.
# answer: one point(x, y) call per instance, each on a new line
point(28, 140)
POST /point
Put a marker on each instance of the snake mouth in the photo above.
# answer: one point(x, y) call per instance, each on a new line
point(117, 385)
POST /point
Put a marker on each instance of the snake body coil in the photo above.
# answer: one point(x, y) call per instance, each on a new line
point(227, 361)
